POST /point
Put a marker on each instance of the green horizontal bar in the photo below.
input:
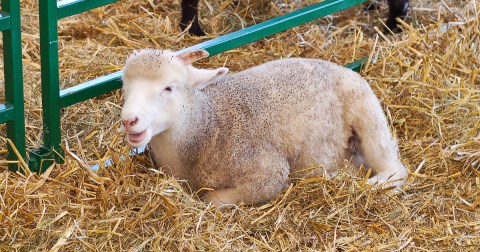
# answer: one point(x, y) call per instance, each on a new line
point(272, 26)
point(4, 22)
point(357, 64)
point(6, 112)
point(90, 89)
point(68, 8)
point(112, 81)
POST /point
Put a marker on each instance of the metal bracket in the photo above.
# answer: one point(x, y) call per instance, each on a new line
point(42, 158)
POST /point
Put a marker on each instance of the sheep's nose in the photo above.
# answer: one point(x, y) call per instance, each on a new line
point(128, 123)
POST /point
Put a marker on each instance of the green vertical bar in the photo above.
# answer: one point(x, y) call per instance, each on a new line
point(51, 151)
point(49, 72)
point(12, 53)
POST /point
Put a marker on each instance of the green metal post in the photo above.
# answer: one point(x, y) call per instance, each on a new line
point(12, 53)
point(50, 12)
point(50, 152)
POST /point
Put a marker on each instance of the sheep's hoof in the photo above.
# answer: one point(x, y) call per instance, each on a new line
point(392, 25)
point(382, 181)
point(194, 29)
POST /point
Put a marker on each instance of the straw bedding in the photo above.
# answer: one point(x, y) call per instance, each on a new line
point(427, 78)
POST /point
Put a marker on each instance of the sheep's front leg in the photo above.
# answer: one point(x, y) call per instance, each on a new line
point(264, 175)
point(223, 197)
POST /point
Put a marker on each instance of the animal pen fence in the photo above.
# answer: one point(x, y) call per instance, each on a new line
point(54, 99)
point(12, 110)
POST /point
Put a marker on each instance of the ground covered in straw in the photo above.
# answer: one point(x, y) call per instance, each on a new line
point(428, 79)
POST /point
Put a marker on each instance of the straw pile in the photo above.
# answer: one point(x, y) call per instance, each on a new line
point(427, 78)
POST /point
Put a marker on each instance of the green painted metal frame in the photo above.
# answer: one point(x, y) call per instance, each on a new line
point(51, 12)
point(55, 99)
point(12, 111)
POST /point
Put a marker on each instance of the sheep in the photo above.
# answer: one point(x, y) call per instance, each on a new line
point(397, 8)
point(243, 134)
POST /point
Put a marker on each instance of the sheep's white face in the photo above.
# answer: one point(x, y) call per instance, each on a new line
point(155, 93)
point(150, 107)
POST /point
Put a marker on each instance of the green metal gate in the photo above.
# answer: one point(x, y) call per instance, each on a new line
point(12, 110)
point(54, 99)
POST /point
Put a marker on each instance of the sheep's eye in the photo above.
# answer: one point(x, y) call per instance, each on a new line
point(167, 90)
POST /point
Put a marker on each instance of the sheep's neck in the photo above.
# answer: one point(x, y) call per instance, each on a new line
point(196, 119)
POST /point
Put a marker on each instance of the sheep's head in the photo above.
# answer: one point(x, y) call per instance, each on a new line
point(156, 85)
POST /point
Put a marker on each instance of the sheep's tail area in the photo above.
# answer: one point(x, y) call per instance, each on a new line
point(371, 137)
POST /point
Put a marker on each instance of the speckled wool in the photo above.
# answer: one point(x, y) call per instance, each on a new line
point(243, 134)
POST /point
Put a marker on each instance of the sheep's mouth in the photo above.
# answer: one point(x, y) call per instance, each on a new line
point(137, 137)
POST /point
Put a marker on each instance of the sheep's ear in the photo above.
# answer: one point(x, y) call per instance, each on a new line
point(200, 78)
point(192, 56)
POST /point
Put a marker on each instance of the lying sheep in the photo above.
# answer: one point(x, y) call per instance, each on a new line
point(397, 8)
point(243, 134)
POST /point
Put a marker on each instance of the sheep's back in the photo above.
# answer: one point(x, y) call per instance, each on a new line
point(296, 106)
